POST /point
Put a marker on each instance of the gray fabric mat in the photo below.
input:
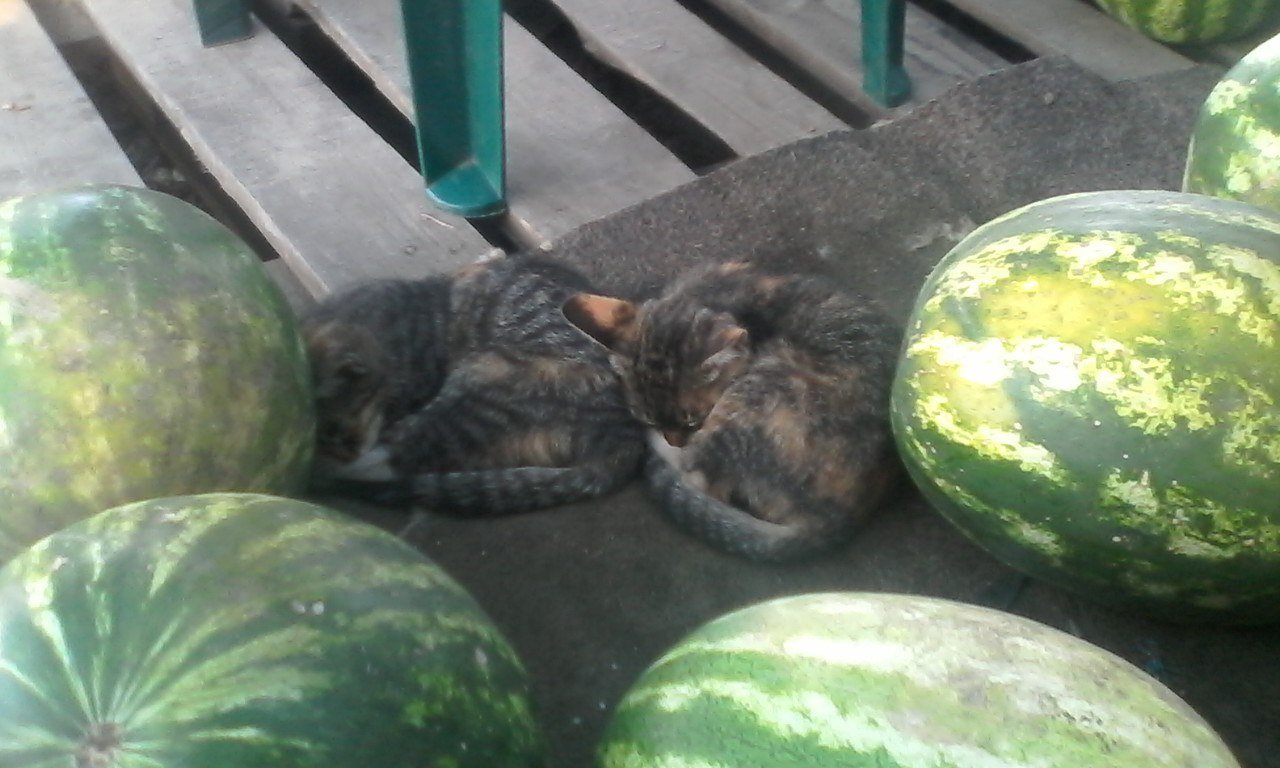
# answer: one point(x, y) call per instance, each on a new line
point(591, 594)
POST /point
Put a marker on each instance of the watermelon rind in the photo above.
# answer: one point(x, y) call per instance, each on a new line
point(144, 352)
point(1088, 389)
point(860, 680)
point(1234, 151)
point(247, 631)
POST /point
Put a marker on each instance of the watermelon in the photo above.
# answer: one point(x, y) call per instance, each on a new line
point(249, 631)
point(1193, 22)
point(144, 351)
point(898, 681)
point(1089, 389)
point(1235, 145)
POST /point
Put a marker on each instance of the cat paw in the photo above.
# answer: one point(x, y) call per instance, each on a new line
point(373, 464)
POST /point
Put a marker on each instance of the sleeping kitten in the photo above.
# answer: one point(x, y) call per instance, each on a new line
point(467, 392)
point(771, 396)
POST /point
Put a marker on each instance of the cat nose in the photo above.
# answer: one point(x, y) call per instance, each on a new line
point(675, 438)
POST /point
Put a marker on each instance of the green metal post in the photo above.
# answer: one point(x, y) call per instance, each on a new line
point(455, 69)
point(883, 27)
point(223, 21)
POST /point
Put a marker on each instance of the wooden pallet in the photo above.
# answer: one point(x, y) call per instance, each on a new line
point(338, 203)
point(45, 101)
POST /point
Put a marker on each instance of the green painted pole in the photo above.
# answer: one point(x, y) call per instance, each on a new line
point(455, 70)
point(883, 27)
point(222, 21)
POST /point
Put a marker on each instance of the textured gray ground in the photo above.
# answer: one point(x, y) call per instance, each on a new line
point(590, 594)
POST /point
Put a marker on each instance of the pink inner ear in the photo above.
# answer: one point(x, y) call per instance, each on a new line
point(731, 341)
point(733, 349)
point(605, 319)
point(735, 336)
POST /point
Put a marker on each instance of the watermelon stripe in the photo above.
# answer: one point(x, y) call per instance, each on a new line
point(100, 289)
point(897, 682)
point(1235, 148)
point(197, 664)
point(1180, 17)
point(61, 725)
point(1135, 455)
point(1191, 21)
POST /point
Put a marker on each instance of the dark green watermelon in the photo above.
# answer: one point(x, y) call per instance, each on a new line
point(1193, 22)
point(249, 631)
point(144, 351)
point(1234, 151)
point(1089, 387)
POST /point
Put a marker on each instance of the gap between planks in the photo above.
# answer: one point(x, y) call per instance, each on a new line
point(1088, 36)
point(667, 48)
point(572, 156)
point(823, 37)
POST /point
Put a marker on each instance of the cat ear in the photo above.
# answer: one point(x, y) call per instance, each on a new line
point(342, 377)
point(733, 346)
point(605, 319)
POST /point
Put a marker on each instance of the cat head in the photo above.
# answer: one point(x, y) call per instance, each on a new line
point(350, 372)
point(675, 358)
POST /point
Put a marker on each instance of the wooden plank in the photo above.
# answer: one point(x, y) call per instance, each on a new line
point(50, 133)
point(336, 202)
point(824, 37)
point(572, 157)
point(1090, 37)
point(672, 51)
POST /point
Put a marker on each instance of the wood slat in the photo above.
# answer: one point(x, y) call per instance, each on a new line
point(1090, 37)
point(824, 37)
point(672, 51)
point(331, 197)
point(50, 133)
point(572, 156)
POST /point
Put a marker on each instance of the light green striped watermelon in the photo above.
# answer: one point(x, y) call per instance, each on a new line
point(1090, 389)
point(249, 631)
point(144, 352)
point(896, 681)
point(1193, 22)
point(1235, 146)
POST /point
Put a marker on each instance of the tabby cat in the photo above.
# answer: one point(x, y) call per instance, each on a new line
point(467, 392)
point(768, 397)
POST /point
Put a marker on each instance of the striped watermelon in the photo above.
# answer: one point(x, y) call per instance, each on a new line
point(897, 681)
point(1193, 22)
point(1090, 389)
point(249, 631)
point(144, 352)
point(1235, 147)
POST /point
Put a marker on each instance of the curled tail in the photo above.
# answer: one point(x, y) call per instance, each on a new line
point(736, 531)
point(497, 491)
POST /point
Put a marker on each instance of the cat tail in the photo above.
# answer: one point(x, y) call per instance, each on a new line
point(521, 489)
point(498, 491)
point(734, 530)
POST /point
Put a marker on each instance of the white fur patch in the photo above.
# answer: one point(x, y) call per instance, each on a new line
point(373, 464)
point(666, 451)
